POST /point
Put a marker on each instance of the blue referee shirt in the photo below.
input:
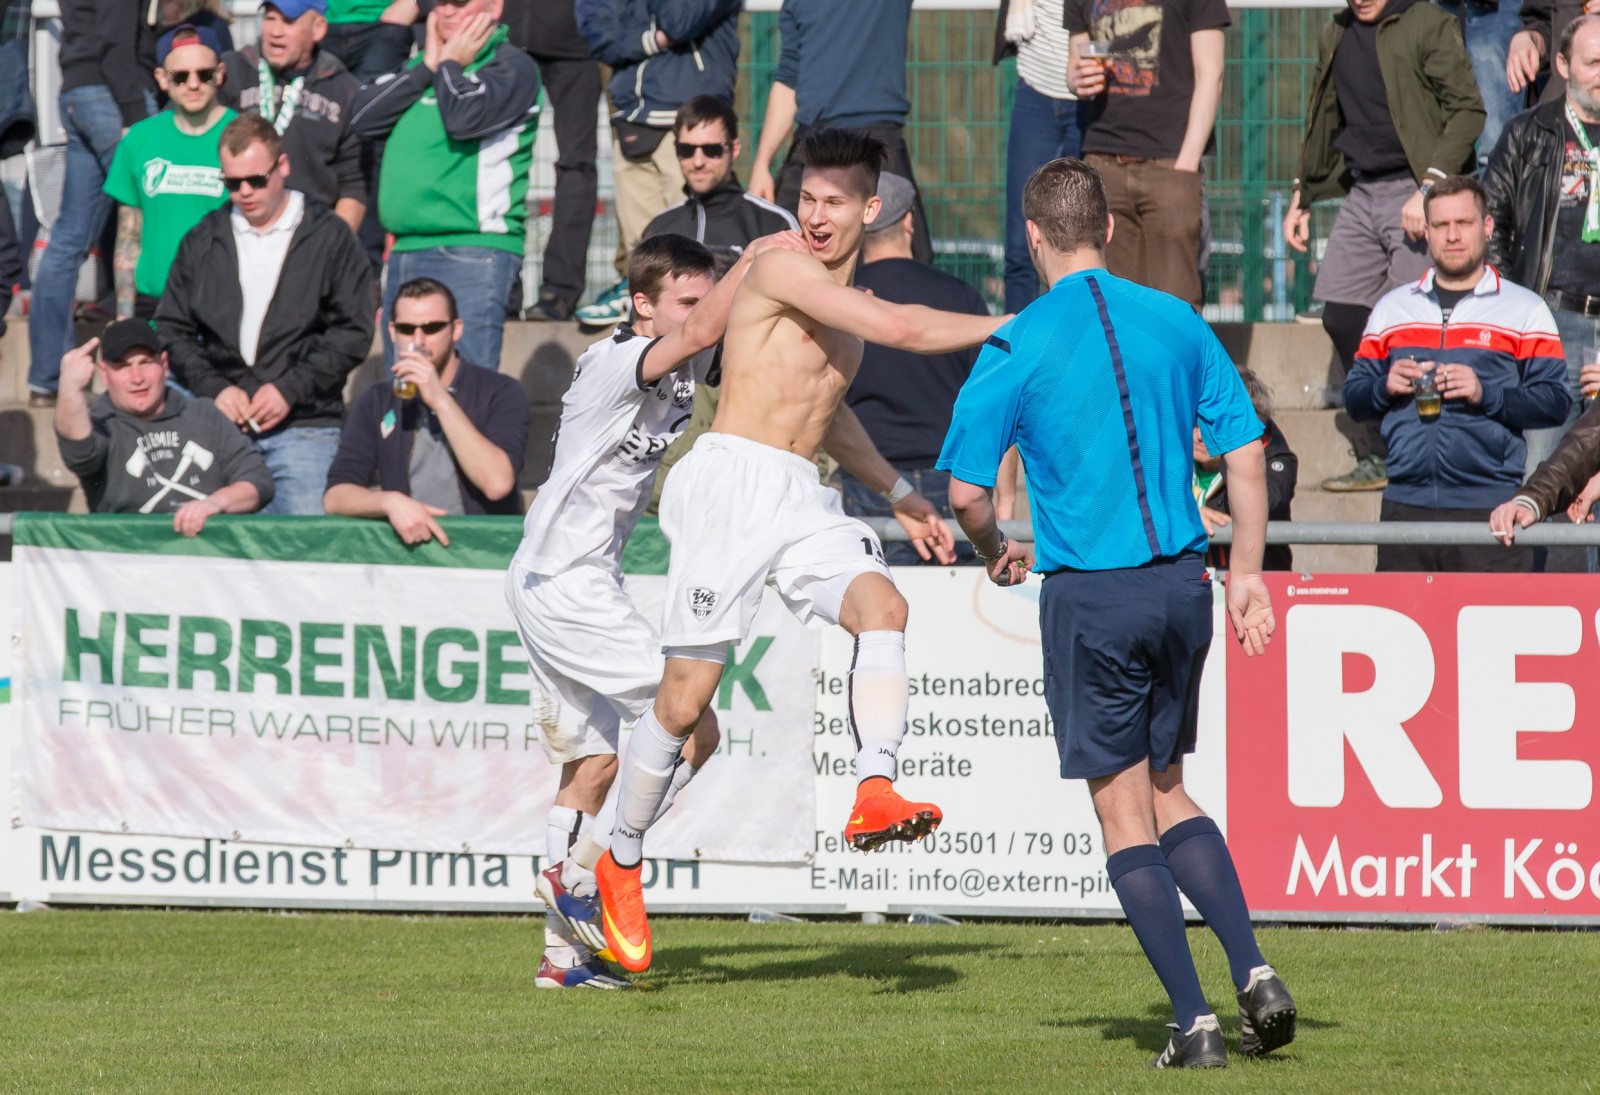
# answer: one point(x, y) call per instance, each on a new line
point(1100, 383)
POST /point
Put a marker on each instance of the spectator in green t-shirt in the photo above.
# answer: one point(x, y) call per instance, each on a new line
point(166, 174)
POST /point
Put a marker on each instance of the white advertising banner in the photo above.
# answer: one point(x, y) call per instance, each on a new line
point(421, 817)
point(345, 705)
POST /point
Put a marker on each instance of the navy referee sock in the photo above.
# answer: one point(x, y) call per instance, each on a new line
point(1149, 897)
point(1204, 870)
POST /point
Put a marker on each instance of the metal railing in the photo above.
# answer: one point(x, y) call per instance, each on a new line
point(1281, 532)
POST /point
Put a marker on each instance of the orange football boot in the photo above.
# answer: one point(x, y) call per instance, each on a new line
point(627, 928)
point(881, 815)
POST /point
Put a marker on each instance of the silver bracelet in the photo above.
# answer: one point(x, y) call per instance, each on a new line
point(1005, 542)
point(901, 489)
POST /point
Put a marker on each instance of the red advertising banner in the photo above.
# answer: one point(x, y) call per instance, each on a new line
point(1418, 745)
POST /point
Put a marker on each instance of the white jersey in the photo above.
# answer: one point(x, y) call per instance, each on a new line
point(609, 444)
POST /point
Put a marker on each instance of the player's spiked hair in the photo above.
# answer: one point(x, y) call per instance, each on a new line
point(656, 259)
point(418, 288)
point(853, 149)
point(1067, 201)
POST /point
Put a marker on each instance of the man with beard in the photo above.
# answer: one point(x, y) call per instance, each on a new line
point(1456, 366)
point(1545, 203)
point(447, 437)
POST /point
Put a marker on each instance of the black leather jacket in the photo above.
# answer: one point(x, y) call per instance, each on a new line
point(1523, 179)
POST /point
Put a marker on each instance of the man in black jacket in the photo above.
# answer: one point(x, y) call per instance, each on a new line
point(718, 211)
point(1546, 209)
point(447, 437)
point(305, 92)
point(267, 309)
point(108, 61)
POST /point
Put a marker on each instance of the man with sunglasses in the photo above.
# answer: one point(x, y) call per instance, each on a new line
point(456, 447)
point(267, 310)
point(165, 174)
point(305, 92)
point(661, 53)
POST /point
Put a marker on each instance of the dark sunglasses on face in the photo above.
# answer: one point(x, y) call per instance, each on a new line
point(432, 327)
point(234, 182)
point(713, 151)
point(181, 76)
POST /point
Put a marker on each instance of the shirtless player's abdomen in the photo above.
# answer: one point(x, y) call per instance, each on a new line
point(783, 376)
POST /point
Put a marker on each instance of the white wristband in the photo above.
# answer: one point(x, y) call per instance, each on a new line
point(900, 490)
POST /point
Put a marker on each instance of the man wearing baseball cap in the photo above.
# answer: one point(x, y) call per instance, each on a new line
point(305, 92)
point(166, 174)
point(904, 400)
point(143, 447)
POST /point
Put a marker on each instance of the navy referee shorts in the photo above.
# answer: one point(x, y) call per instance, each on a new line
point(1123, 652)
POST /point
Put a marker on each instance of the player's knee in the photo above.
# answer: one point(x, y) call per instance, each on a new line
point(679, 714)
point(886, 611)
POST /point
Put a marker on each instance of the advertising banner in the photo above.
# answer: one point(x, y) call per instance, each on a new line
point(448, 824)
point(285, 694)
point(1421, 746)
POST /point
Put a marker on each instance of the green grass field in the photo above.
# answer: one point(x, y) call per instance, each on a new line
point(244, 1002)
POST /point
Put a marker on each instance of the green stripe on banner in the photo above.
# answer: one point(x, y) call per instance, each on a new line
point(5, 689)
point(476, 543)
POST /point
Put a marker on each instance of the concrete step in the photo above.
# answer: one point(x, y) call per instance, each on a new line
point(1295, 360)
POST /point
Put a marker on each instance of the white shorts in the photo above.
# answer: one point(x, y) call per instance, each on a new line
point(596, 661)
point(741, 516)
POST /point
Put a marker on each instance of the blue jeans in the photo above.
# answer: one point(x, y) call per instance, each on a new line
point(479, 277)
point(1042, 129)
point(298, 458)
point(94, 126)
point(1579, 335)
point(369, 50)
point(861, 500)
point(1488, 32)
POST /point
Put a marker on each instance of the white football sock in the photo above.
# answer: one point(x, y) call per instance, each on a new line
point(594, 837)
point(560, 827)
point(560, 946)
point(681, 775)
point(646, 778)
point(880, 694)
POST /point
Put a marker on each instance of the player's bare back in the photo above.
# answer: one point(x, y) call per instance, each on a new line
point(783, 373)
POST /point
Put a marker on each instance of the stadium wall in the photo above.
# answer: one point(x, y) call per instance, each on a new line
point(1412, 748)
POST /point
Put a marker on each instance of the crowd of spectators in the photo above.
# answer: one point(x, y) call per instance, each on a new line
point(365, 164)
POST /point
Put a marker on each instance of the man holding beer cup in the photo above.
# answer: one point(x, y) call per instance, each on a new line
point(1456, 366)
point(443, 437)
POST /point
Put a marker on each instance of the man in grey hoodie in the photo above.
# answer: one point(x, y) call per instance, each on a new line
point(143, 447)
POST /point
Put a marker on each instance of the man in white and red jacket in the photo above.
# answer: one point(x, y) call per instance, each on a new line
point(1491, 349)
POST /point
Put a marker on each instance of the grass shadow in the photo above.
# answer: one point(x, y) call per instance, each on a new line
point(898, 970)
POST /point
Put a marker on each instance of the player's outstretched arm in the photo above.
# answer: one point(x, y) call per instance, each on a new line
point(804, 285)
point(1249, 607)
point(847, 442)
point(707, 322)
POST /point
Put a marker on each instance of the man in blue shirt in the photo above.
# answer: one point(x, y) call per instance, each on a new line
point(1100, 383)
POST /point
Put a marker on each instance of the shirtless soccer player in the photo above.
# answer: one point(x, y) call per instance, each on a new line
point(595, 659)
point(744, 510)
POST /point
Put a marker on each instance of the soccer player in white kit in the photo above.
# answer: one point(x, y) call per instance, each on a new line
point(595, 659)
point(744, 510)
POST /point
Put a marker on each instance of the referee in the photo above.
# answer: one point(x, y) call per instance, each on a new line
point(1100, 383)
